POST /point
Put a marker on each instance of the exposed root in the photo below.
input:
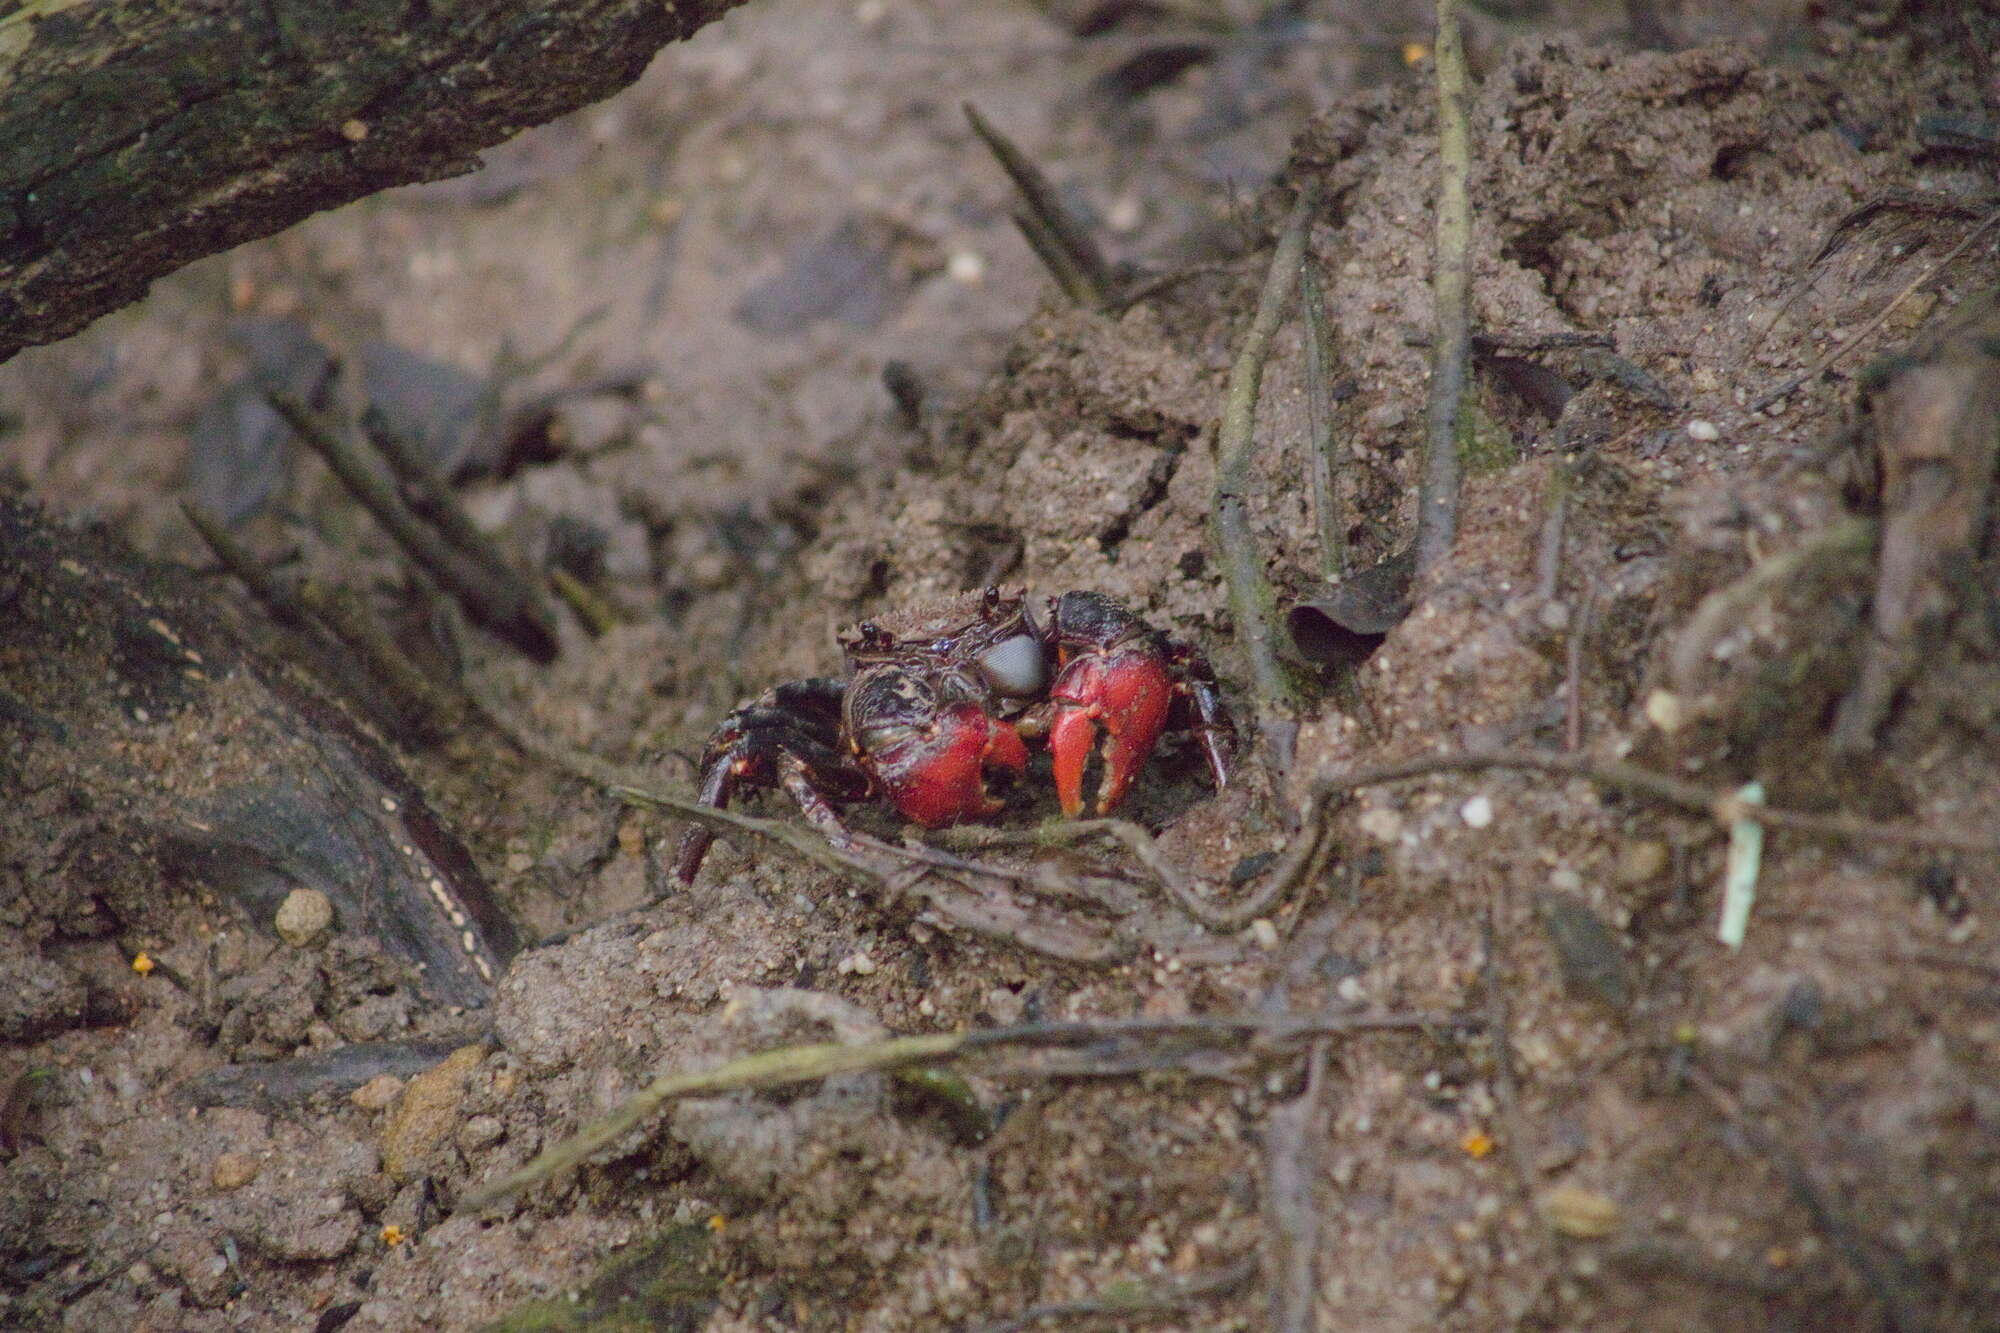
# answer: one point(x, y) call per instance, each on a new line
point(1437, 498)
point(1106, 1048)
point(1252, 604)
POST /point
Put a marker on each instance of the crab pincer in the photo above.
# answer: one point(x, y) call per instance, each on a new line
point(1113, 676)
point(930, 758)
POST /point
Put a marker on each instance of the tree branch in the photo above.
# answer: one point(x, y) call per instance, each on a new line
point(137, 138)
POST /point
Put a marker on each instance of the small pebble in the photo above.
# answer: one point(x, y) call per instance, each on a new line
point(233, 1170)
point(377, 1092)
point(1575, 1211)
point(857, 964)
point(480, 1131)
point(1264, 935)
point(966, 267)
point(1381, 824)
point(1477, 812)
point(1350, 990)
point(1640, 862)
point(1704, 431)
point(1665, 711)
point(303, 917)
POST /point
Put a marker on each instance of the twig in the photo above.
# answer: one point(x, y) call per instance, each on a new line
point(500, 602)
point(429, 495)
point(1290, 869)
point(1500, 1028)
point(1320, 448)
point(1062, 243)
point(1549, 550)
point(1284, 876)
point(411, 695)
point(1252, 604)
point(1579, 630)
point(1139, 1304)
point(273, 595)
point(594, 612)
point(1868, 330)
point(983, 914)
point(805, 1064)
point(1721, 805)
point(359, 679)
point(1437, 498)
point(1293, 1133)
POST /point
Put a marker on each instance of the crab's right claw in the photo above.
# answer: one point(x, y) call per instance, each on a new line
point(937, 774)
point(1126, 691)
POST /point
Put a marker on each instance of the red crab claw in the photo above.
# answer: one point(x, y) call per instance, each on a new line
point(938, 776)
point(928, 757)
point(1126, 690)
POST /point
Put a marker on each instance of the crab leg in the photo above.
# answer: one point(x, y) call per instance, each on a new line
point(796, 777)
point(1211, 724)
point(790, 727)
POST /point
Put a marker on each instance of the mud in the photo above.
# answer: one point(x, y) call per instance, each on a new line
point(1797, 1134)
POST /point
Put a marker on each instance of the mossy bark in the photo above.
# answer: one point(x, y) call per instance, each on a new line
point(137, 136)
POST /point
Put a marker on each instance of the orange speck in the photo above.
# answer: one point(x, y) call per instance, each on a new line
point(718, 1222)
point(1415, 53)
point(143, 963)
point(1778, 1257)
point(392, 1235)
point(1477, 1144)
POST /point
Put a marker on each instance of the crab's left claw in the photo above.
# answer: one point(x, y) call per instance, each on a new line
point(1126, 690)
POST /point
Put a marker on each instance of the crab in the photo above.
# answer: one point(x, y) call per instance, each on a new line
point(939, 703)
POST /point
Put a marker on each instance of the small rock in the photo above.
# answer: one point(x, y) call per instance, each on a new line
point(1381, 824)
point(1704, 431)
point(1640, 863)
point(1586, 949)
point(1386, 417)
point(303, 917)
point(39, 996)
point(1477, 812)
point(1574, 1211)
point(480, 1131)
point(1264, 935)
point(857, 964)
point(1665, 711)
point(377, 1092)
point(428, 1109)
point(233, 1170)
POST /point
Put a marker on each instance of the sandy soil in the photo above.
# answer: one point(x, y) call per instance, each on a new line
point(658, 332)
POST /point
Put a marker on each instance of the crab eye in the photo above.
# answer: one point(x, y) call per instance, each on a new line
point(1014, 667)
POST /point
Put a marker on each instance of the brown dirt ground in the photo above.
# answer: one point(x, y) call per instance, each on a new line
point(758, 493)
